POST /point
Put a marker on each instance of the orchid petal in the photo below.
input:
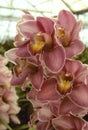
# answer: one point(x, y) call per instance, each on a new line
point(22, 51)
point(67, 106)
point(54, 59)
point(48, 91)
point(79, 95)
point(76, 47)
point(37, 78)
point(44, 126)
point(3, 61)
point(44, 114)
point(15, 119)
point(68, 122)
point(21, 43)
point(54, 106)
point(86, 126)
point(63, 122)
point(46, 23)
point(11, 55)
point(19, 79)
point(76, 30)
point(27, 16)
point(79, 123)
point(73, 67)
point(4, 107)
point(31, 96)
point(27, 28)
point(63, 18)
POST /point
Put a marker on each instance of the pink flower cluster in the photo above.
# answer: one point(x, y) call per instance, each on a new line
point(8, 97)
point(44, 58)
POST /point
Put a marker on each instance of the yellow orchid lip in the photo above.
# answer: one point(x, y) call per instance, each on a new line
point(65, 84)
point(64, 36)
point(19, 67)
point(41, 41)
point(60, 32)
point(38, 43)
point(6, 86)
point(37, 46)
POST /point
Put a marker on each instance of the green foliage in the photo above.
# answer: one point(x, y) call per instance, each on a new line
point(8, 44)
point(5, 124)
point(83, 57)
point(26, 109)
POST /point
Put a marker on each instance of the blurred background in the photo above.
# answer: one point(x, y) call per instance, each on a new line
point(11, 12)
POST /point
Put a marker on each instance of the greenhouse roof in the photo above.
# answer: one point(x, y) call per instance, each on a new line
point(11, 12)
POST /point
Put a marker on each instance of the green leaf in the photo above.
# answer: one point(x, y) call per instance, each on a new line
point(33, 128)
point(23, 127)
point(5, 124)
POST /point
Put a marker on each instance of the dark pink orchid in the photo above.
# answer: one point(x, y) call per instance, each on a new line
point(48, 91)
point(44, 108)
point(44, 126)
point(42, 112)
point(27, 69)
point(40, 39)
point(68, 106)
point(72, 81)
point(29, 25)
point(49, 115)
point(26, 72)
point(67, 33)
point(69, 122)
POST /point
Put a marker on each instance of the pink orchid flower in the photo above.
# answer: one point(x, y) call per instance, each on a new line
point(44, 126)
point(66, 122)
point(5, 76)
point(8, 97)
point(3, 61)
point(67, 33)
point(40, 39)
point(48, 91)
point(5, 73)
point(26, 68)
point(69, 122)
point(27, 71)
point(42, 110)
point(49, 115)
point(8, 106)
point(72, 82)
point(68, 106)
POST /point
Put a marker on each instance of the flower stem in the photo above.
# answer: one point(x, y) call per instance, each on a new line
point(5, 124)
point(23, 127)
